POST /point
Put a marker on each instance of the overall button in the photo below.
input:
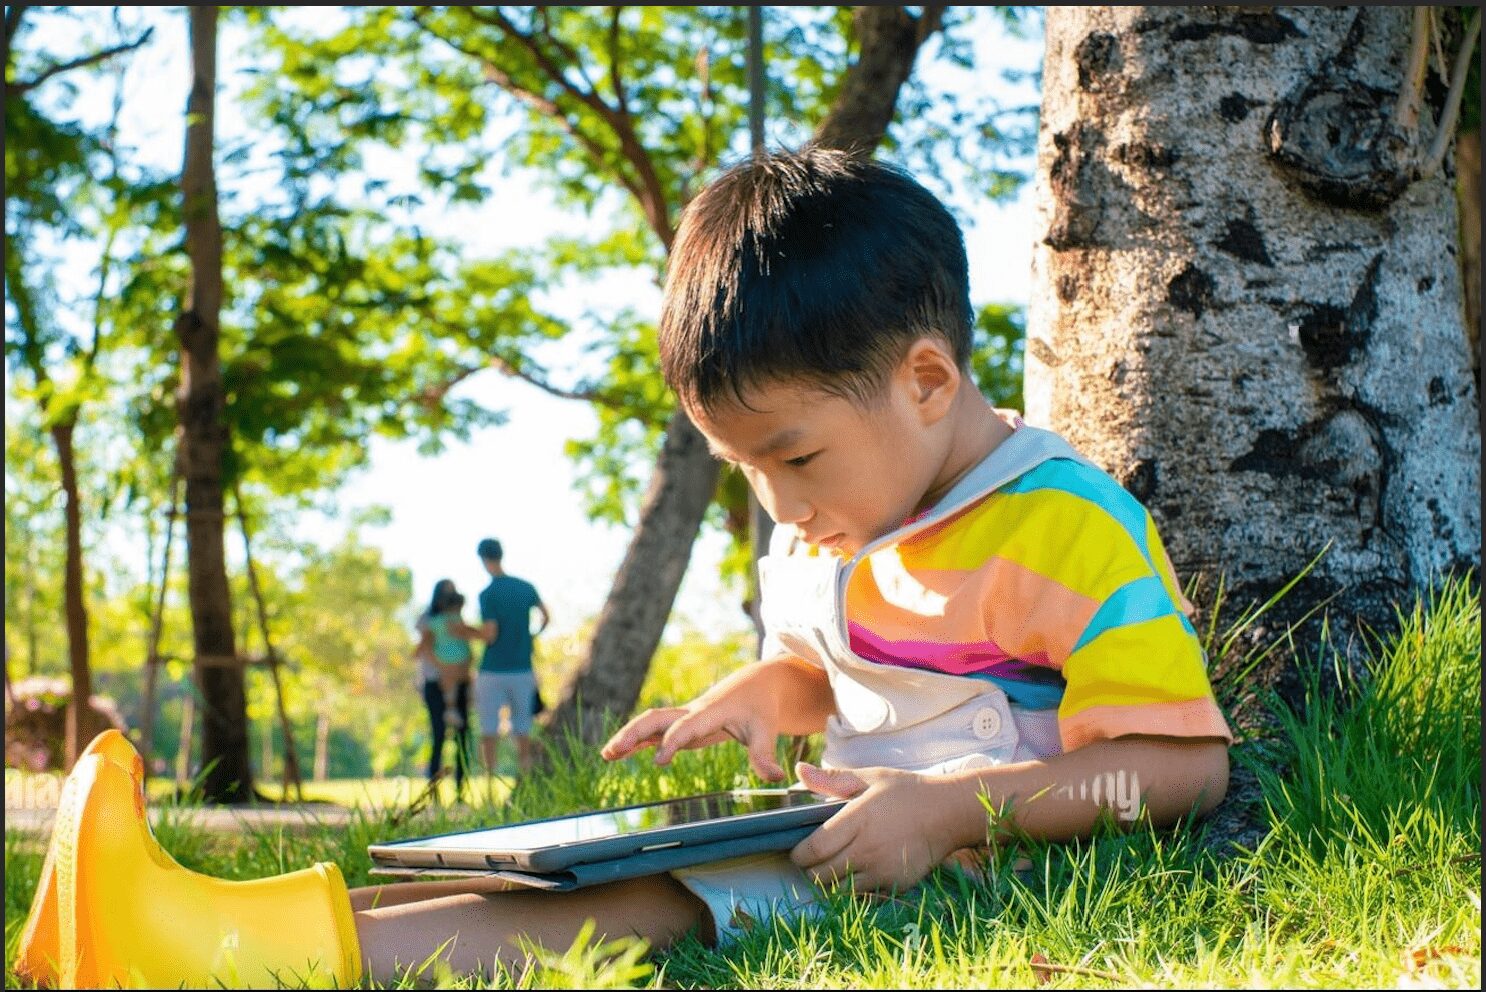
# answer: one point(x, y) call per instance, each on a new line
point(987, 723)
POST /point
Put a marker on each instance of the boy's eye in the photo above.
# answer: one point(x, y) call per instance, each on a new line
point(801, 460)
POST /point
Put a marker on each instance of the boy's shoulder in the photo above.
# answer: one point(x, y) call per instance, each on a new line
point(1035, 478)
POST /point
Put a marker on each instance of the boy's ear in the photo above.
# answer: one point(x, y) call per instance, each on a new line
point(932, 376)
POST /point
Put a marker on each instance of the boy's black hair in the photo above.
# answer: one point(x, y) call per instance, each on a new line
point(489, 549)
point(813, 267)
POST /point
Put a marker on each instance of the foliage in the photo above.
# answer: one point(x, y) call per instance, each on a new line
point(33, 543)
point(996, 361)
point(623, 114)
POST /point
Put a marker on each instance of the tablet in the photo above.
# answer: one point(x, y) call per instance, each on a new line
point(560, 842)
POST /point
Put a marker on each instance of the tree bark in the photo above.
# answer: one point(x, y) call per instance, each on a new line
point(607, 684)
point(1468, 190)
point(74, 602)
point(1247, 309)
point(204, 440)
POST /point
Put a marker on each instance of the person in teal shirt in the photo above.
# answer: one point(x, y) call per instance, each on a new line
point(505, 679)
point(451, 650)
point(444, 659)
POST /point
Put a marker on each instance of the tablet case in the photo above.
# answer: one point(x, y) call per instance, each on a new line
point(635, 865)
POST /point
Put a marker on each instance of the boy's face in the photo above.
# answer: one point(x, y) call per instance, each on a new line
point(842, 473)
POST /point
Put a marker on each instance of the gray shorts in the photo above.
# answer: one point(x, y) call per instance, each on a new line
point(514, 690)
point(740, 893)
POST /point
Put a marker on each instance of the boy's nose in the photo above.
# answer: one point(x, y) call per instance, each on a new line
point(785, 509)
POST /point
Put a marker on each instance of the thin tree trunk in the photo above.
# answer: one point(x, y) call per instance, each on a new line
point(1468, 189)
point(157, 622)
point(322, 749)
point(1246, 308)
point(204, 442)
point(33, 623)
point(75, 608)
point(607, 683)
point(183, 745)
point(265, 755)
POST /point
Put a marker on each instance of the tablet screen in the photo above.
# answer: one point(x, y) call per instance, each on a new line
point(612, 823)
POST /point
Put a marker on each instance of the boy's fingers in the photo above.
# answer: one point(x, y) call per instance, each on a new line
point(694, 730)
point(642, 731)
point(688, 731)
point(828, 841)
point(838, 782)
point(761, 753)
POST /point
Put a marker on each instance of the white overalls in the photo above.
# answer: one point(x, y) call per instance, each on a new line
point(886, 715)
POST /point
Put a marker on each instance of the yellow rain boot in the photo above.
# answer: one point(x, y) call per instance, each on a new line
point(128, 915)
point(36, 956)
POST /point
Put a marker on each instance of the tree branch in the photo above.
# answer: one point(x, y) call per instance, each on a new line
point(21, 86)
point(546, 106)
point(540, 381)
point(550, 109)
point(550, 69)
point(890, 40)
point(12, 23)
point(434, 395)
point(930, 20)
point(568, 52)
point(1451, 112)
point(648, 191)
point(614, 77)
point(105, 262)
point(1406, 110)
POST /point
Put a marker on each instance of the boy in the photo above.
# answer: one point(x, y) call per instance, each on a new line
point(964, 606)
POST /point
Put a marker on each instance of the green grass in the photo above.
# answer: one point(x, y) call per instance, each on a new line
point(1368, 874)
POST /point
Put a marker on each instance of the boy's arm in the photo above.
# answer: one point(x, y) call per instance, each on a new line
point(754, 705)
point(899, 825)
point(1061, 797)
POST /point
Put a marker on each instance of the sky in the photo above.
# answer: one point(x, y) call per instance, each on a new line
point(513, 481)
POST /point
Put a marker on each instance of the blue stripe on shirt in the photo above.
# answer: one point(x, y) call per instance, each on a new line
point(1088, 483)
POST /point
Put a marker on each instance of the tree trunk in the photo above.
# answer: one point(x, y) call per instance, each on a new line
point(204, 440)
point(322, 750)
point(1468, 190)
point(633, 618)
point(183, 744)
point(74, 607)
point(1246, 309)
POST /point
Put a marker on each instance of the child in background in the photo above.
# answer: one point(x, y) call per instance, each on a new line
point(451, 648)
point(973, 614)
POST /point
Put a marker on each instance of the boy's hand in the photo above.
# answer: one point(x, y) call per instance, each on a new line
point(889, 835)
point(700, 723)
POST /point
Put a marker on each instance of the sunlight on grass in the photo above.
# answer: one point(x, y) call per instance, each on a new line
point(1368, 875)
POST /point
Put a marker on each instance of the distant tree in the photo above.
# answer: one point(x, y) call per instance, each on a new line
point(205, 439)
point(47, 163)
point(1246, 304)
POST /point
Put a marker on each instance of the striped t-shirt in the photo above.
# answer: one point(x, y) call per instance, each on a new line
point(1056, 587)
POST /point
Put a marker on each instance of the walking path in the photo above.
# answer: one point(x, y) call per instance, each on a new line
point(289, 816)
